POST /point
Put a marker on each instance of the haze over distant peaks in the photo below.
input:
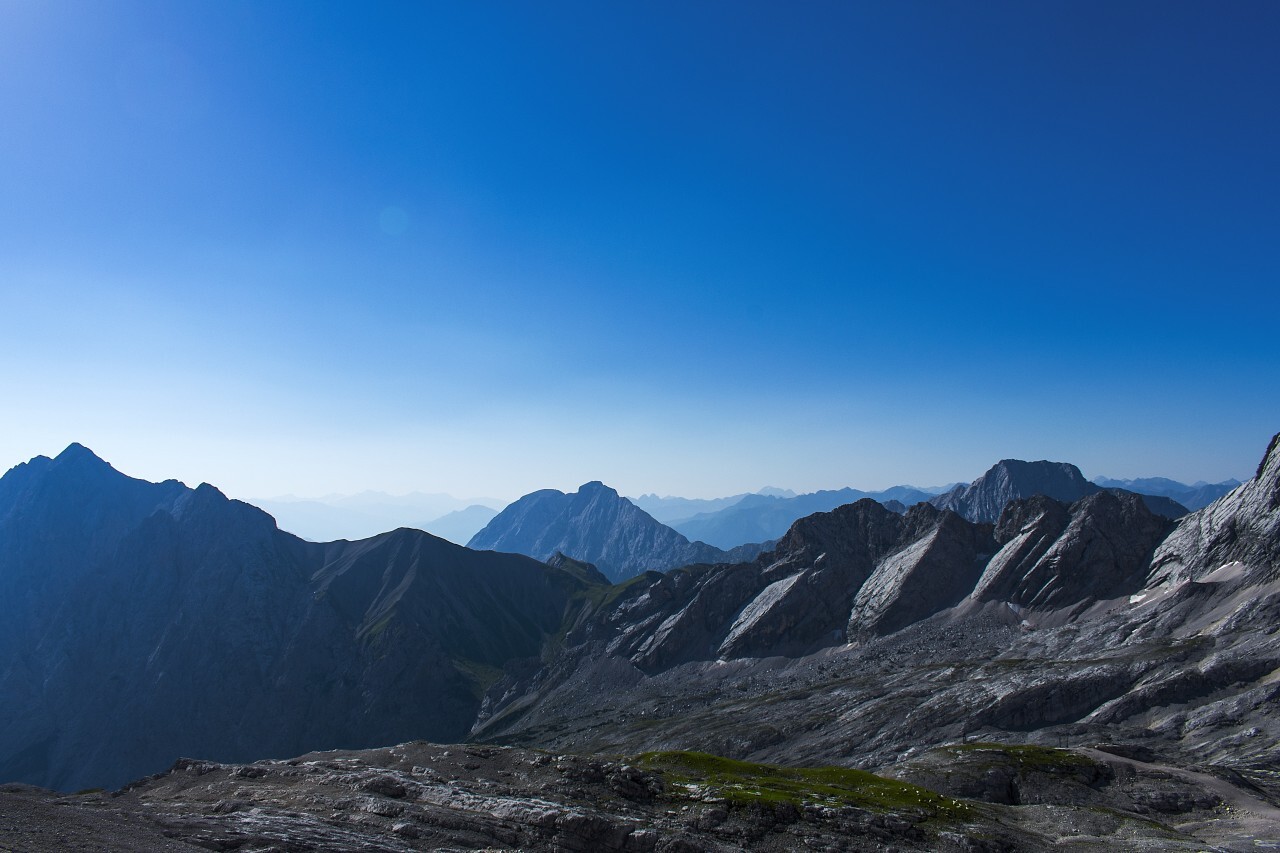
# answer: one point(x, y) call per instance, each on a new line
point(775, 492)
point(762, 517)
point(597, 525)
point(1195, 496)
point(669, 507)
point(369, 513)
point(460, 525)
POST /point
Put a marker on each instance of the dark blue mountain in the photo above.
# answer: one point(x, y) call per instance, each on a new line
point(140, 622)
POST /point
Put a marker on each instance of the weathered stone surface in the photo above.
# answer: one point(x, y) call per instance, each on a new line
point(1054, 556)
point(511, 799)
point(934, 571)
point(1243, 527)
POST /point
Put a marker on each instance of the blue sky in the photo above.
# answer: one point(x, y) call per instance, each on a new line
point(485, 248)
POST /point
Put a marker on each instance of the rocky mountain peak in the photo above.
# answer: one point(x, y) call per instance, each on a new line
point(1269, 469)
point(595, 487)
point(1242, 526)
point(595, 525)
point(83, 461)
point(862, 526)
point(1021, 515)
point(77, 452)
point(985, 498)
point(1053, 556)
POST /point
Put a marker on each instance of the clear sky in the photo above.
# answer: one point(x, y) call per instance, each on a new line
point(691, 248)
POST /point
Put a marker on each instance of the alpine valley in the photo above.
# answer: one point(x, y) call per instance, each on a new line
point(1031, 661)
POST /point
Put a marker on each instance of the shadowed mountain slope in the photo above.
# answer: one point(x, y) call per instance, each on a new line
point(143, 621)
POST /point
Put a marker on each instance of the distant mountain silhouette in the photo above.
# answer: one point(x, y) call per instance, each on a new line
point(361, 515)
point(598, 525)
point(759, 517)
point(143, 621)
point(1193, 497)
point(460, 525)
point(666, 509)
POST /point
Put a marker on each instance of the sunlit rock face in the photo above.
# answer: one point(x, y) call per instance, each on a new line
point(1055, 556)
point(1243, 526)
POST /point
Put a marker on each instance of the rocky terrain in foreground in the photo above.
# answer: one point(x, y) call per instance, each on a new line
point(421, 796)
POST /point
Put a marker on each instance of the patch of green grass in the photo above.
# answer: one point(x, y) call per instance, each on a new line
point(374, 631)
point(746, 783)
point(479, 676)
point(588, 601)
point(605, 596)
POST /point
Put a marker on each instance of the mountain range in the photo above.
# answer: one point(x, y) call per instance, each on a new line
point(142, 621)
point(761, 518)
point(1094, 620)
point(1193, 497)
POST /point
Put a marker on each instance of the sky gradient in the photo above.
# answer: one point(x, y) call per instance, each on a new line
point(483, 248)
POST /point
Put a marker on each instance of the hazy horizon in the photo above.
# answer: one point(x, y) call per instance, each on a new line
point(487, 248)
point(346, 498)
